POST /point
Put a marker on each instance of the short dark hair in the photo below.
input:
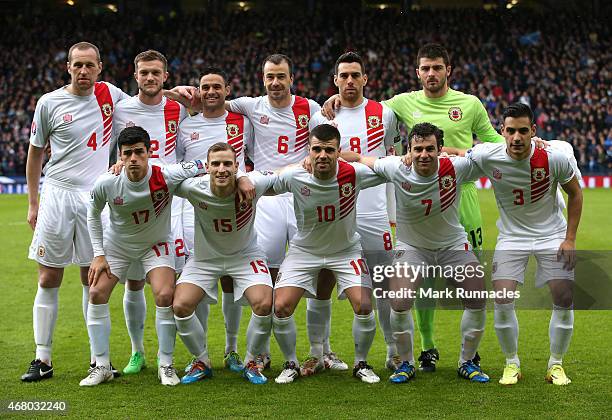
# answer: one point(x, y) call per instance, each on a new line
point(278, 59)
point(424, 130)
point(217, 71)
point(432, 51)
point(349, 57)
point(518, 110)
point(325, 132)
point(220, 147)
point(151, 55)
point(133, 135)
point(83, 45)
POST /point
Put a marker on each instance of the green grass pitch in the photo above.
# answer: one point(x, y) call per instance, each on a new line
point(327, 395)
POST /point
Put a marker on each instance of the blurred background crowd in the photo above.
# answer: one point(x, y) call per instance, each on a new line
point(557, 62)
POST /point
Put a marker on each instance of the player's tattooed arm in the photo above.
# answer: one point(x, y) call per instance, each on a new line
point(331, 106)
point(567, 249)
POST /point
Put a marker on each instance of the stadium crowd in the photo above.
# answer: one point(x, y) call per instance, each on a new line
point(561, 67)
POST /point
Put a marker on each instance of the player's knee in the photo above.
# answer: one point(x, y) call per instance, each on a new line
point(182, 309)
point(97, 296)
point(49, 279)
point(563, 297)
point(164, 297)
point(135, 285)
point(363, 307)
point(401, 305)
point(263, 307)
point(282, 309)
point(474, 303)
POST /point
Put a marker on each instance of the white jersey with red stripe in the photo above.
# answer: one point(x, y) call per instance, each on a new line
point(526, 190)
point(369, 129)
point(198, 133)
point(139, 211)
point(325, 209)
point(161, 122)
point(224, 227)
point(281, 134)
point(427, 207)
point(79, 130)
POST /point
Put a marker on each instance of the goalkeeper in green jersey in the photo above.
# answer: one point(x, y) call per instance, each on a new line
point(460, 116)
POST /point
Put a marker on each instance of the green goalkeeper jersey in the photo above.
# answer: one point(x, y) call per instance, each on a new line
point(456, 113)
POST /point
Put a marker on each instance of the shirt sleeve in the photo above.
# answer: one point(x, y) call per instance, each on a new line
point(283, 181)
point(263, 181)
point(466, 169)
point(177, 173)
point(249, 143)
point(117, 94)
point(184, 188)
point(314, 107)
point(366, 177)
point(41, 125)
point(97, 202)
point(243, 105)
point(564, 172)
point(396, 104)
point(387, 167)
point(392, 135)
point(481, 125)
point(316, 120)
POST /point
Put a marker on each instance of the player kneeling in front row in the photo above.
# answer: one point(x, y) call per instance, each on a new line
point(431, 239)
point(525, 180)
point(327, 238)
point(225, 246)
point(139, 200)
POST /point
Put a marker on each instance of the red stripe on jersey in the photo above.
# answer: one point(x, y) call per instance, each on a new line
point(540, 174)
point(346, 188)
point(158, 189)
point(301, 113)
point(172, 113)
point(234, 125)
point(105, 102)
point(374, 124)
point(447, 183)
point(244, 211)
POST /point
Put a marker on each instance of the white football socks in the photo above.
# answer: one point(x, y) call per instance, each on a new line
point(44, 317)
point(285, 334)
point(507, 330)
point(193, 336)
point(232, 312)
point(258, 332)
point(472, 330)
point(98, 327)
point(402, 325)
point(166, 334)
point(364, 330)
point(318, 318)
point(383, 310)
point(85, 304)
point(201, 312)
point(135, 311)
point(560, 332)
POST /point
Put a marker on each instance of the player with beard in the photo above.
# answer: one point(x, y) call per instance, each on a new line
point(160, 117)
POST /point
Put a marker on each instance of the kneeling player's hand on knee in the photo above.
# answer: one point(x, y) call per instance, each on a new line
point(98, 266)
point(567, 251)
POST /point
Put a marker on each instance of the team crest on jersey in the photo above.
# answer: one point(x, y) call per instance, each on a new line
point(399, 253)
point(264, 119)
point(305, 191)
point(118, 201)
point(373, 121)
point(406, 186)
point(538, 174)
point(107, 109)
point(446, 182)
point(243, 206)
point(41, 251)
point(232, 130)
point(303, 120)
point(455, 113)
point(203, 205)
point(33, 128)
point(497, 174)
point(347, 189)
point(130, 124)
point(172, 126)
point(268, 173)
point(195, 136)
point(67, 118)
point(159, 195)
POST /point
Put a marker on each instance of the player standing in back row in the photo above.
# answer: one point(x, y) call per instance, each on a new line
point(459, 115)
point(369, 128)
point(77, 121)
point(160, 117)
